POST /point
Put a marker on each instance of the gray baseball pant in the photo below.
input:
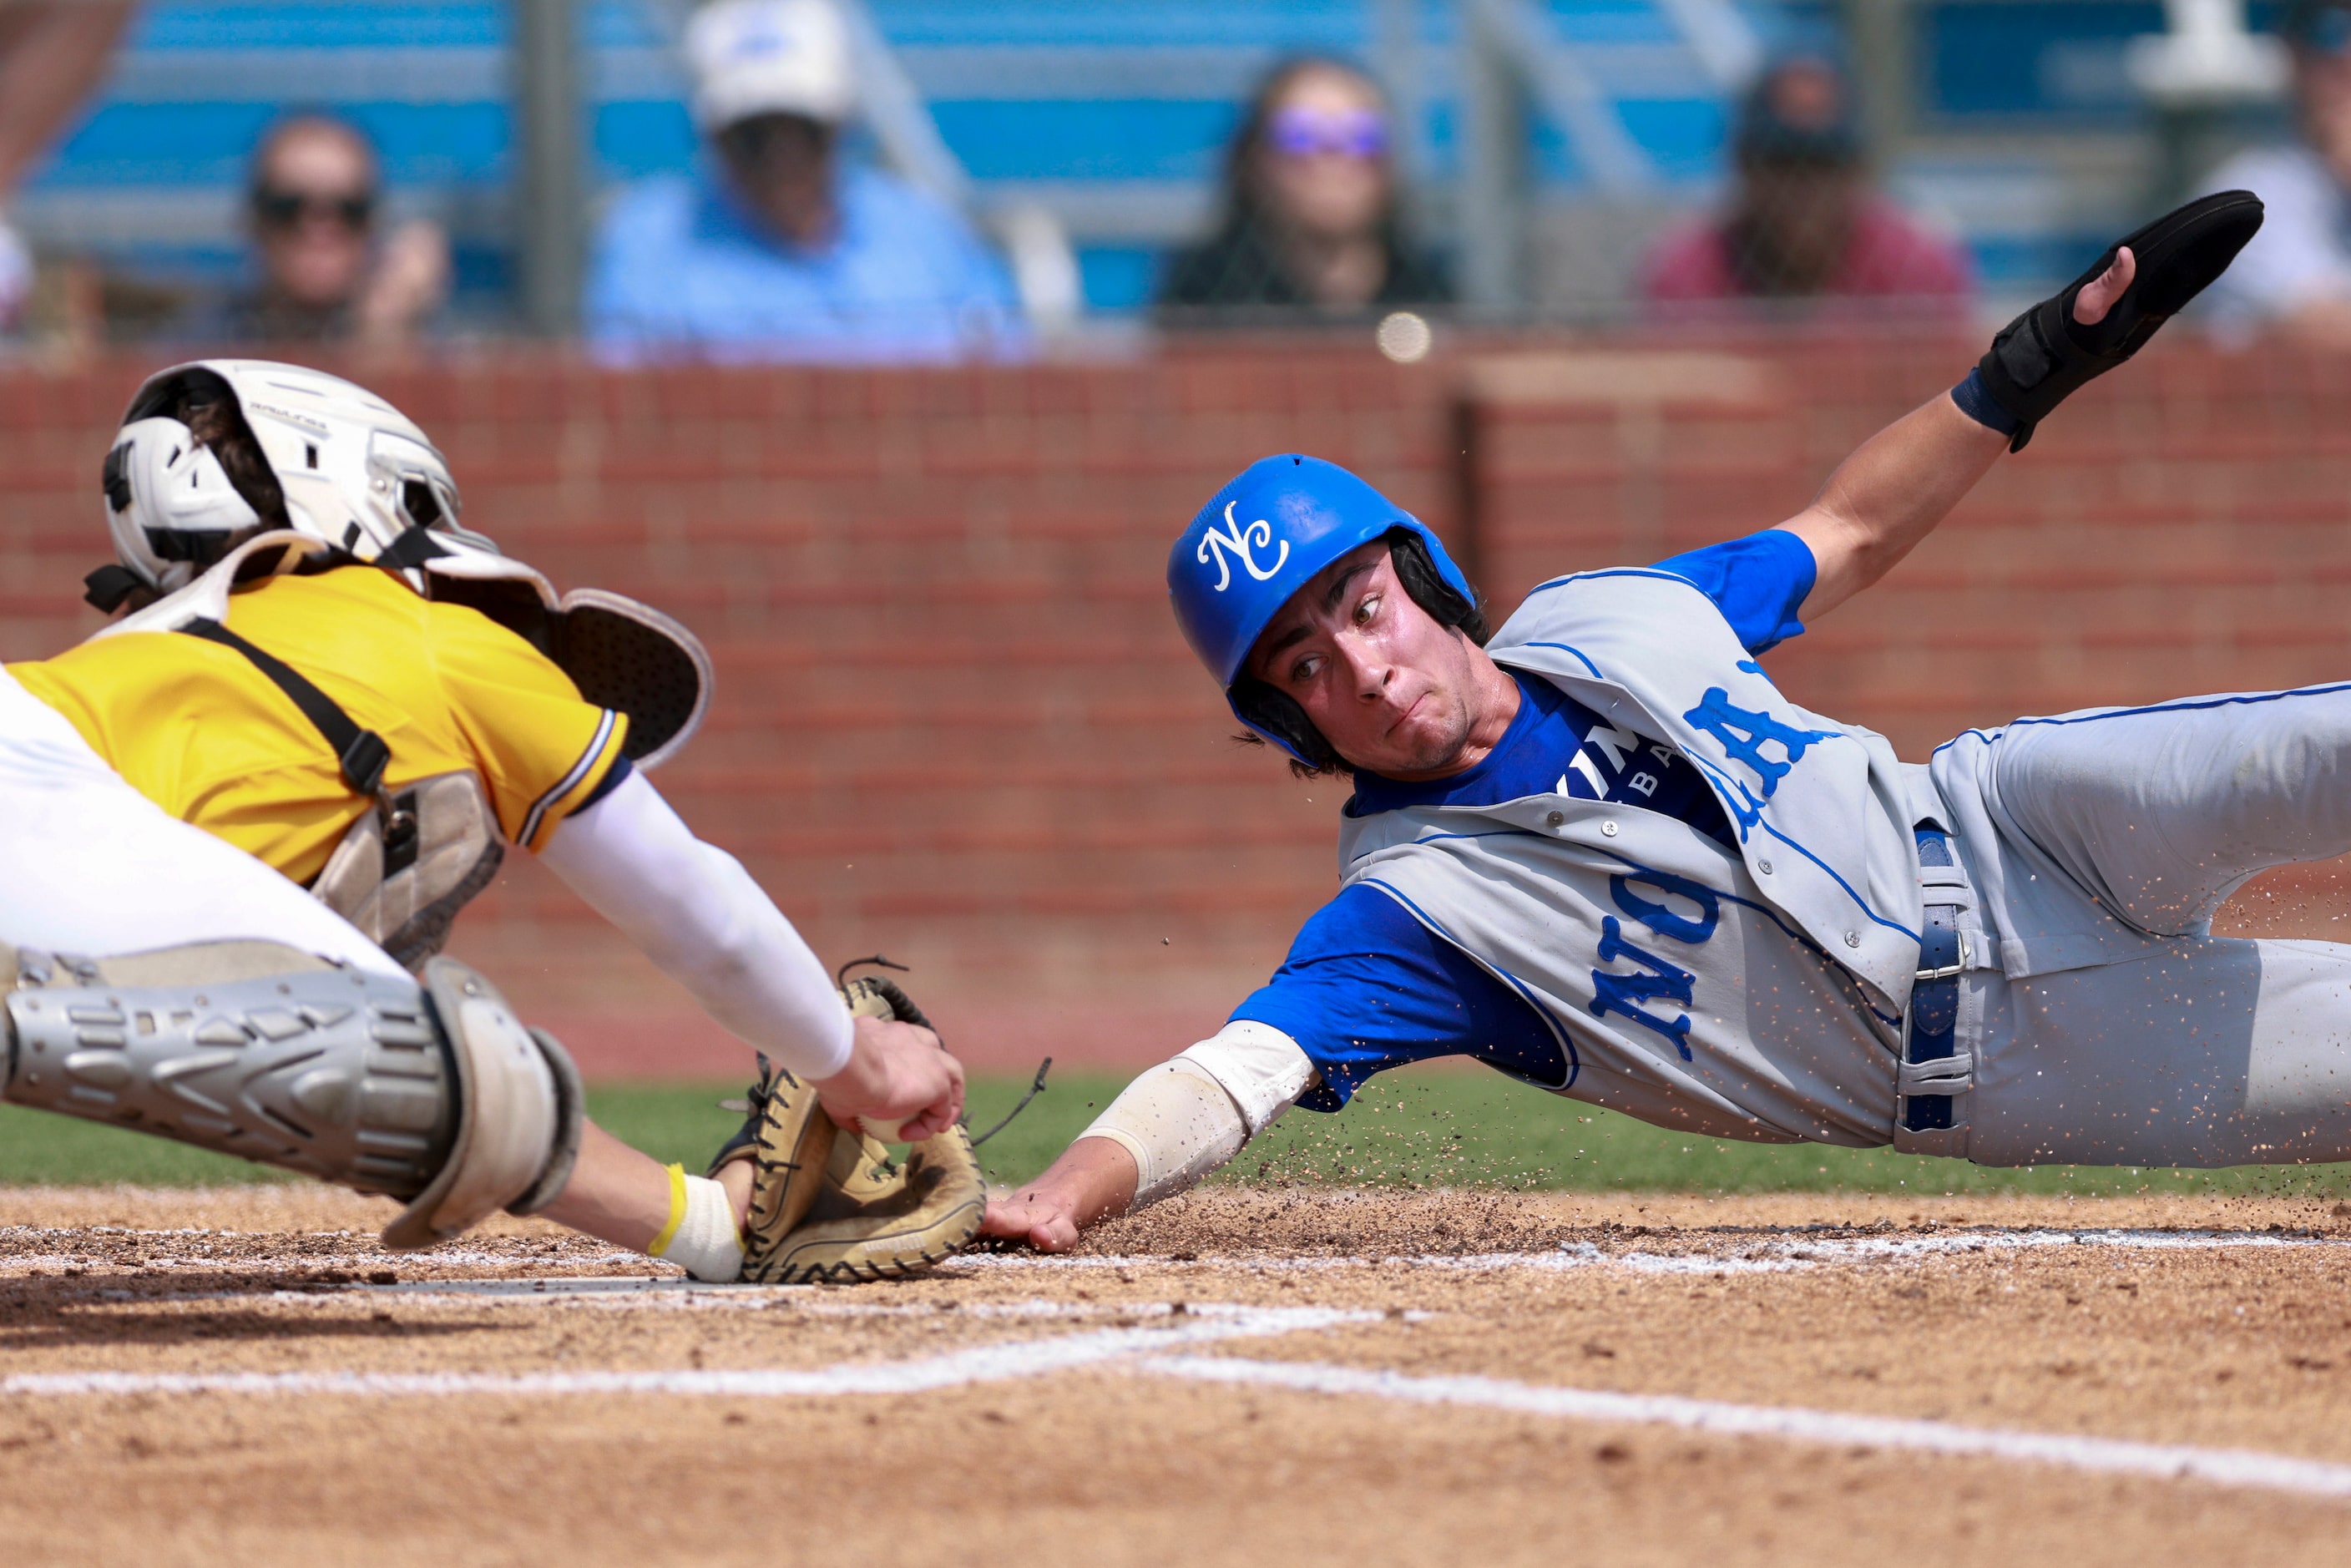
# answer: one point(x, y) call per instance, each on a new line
point(2129, 828)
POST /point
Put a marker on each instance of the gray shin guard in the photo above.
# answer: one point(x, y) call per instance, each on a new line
point(521, 1111)
point(433, 1095)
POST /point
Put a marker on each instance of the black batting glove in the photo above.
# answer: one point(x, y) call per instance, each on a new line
point(2045, 356)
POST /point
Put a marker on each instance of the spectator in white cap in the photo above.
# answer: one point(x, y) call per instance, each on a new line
point(778, 247)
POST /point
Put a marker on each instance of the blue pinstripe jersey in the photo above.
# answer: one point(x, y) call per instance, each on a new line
point(1366, 987)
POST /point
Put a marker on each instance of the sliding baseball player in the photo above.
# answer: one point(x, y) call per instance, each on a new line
point(1602, 851)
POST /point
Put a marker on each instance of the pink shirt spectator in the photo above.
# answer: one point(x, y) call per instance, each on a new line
point(1889, 258)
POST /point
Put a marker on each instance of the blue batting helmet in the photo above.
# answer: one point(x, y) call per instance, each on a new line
point(1258, 541)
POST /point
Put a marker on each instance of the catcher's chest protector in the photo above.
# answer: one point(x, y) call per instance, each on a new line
point(405, 868)
point(402, 876)
point(402, 871)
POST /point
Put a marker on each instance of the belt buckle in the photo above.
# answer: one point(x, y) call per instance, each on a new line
point(1953, 970)
point(1949, 971)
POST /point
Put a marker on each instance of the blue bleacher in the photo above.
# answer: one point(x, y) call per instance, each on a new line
point(1114, 113)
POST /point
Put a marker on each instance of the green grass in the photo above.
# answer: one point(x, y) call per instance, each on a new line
point(39, 1148)
point(1440, 1127)
point(1456, 1128)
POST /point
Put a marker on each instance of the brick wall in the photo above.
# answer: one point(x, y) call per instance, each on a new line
point(2182, 526)
point(954, 722)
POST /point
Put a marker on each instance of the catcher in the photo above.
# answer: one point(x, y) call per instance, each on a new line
point(322, 668)
point(1601, 851)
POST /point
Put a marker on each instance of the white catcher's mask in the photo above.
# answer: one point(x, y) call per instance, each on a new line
point(360, 477)
point(189, 512)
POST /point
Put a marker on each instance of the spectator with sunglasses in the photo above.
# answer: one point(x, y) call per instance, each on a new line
point(1310, 222)
point(322, 272)
point(779, 247)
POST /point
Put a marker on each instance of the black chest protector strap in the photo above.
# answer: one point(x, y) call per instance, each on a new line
point(401, 874)
point(362, 752)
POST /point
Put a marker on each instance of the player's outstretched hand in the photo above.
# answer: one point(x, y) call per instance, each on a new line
point(1094, 1180)
point(1044, 1222)
point(897, 1072)
point(2108, 314)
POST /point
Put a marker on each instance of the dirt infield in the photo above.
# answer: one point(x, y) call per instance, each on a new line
point(1240, 1376)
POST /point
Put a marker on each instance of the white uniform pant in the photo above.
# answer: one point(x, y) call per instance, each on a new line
point(89, 866)
point(2165, 1046)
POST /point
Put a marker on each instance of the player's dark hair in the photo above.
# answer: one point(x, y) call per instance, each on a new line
point(202, 400)
point(1278, 714)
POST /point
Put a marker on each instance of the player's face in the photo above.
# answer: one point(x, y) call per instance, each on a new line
point(1390, 688)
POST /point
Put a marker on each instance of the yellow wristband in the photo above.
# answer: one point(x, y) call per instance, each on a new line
point(676, 1211)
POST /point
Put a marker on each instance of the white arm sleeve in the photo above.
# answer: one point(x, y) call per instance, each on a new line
point(696, 912)
point(1185, 1117)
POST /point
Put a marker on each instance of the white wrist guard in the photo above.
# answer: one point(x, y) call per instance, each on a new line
point(1185, 1118)
point(700, 1238)
point(1178, 1123)
point(1261, 1068)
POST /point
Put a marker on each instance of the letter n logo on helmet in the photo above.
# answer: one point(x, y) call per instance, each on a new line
point(1307, 513)
point(1238, 540)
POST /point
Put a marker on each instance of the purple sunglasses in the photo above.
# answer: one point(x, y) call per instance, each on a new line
point(1299, 133)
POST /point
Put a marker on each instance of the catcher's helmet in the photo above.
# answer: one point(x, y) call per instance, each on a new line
point(1260, 540)
point(355, 472)
point(357, 476)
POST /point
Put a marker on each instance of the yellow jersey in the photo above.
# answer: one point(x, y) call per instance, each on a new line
point(195, 728)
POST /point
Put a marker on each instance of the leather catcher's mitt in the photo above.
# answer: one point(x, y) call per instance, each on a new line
point(789, 1140)
point(828, 1204)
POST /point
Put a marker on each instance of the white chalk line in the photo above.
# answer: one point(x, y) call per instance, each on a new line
point(687, 1295)
point(2223, 1466)
point(1147, 1349)
point(986, 1364)
point(1776, 1256)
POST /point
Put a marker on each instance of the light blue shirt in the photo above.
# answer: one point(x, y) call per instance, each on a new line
point(680, 270)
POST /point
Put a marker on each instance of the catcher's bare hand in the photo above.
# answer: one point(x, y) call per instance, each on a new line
point(897, 1072)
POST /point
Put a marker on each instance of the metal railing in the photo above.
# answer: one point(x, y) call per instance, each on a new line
point(1515, 64)
point(1511, 65)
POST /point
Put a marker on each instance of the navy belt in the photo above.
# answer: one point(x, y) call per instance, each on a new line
point(1935, 993)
